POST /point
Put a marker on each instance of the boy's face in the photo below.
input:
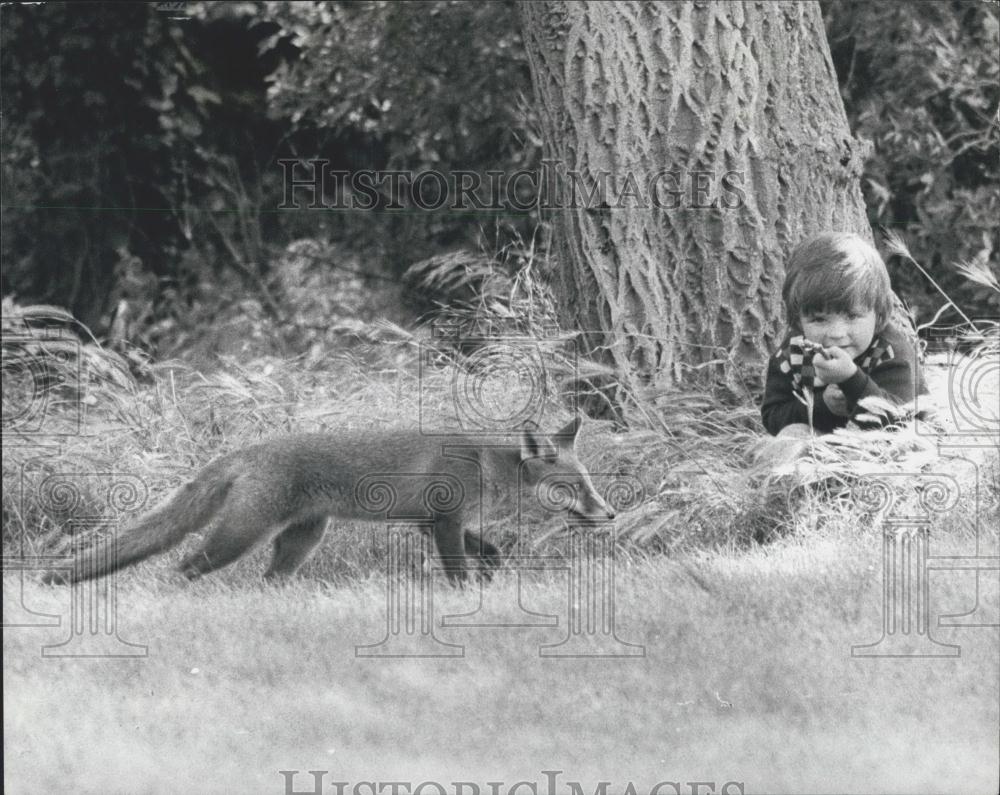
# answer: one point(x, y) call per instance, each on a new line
point(853, 332)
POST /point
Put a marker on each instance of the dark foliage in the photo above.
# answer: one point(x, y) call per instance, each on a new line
point(922, 82)
point(92, 110)
point(125, 136)
point(433, 84)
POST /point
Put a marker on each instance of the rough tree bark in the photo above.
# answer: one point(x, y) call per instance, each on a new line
point(738, 101)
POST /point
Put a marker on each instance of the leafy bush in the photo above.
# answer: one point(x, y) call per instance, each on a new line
point(127, 137)
point(922, 81)
point(93, 108)
point(428, 84)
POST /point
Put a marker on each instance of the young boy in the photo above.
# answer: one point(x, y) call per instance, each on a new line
point(842, 344)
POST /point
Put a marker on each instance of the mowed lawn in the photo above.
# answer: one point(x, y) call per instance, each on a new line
point(747, 677)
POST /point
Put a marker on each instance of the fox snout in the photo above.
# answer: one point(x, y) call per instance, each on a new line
point(590, 506)
point(603, 513)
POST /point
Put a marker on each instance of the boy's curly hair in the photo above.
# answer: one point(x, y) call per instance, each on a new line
point(836, 272)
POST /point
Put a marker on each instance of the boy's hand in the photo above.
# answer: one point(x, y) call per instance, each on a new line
point(834, 365)
point(836, 401)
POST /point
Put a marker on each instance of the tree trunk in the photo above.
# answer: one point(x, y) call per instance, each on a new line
point(738, 104)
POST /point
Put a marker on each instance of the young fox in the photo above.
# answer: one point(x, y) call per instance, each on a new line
point(285, 489)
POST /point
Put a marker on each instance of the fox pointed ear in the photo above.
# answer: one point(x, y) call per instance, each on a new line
point(537, 445)
point(566, 436)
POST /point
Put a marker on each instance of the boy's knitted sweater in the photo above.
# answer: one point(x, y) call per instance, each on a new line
point(887, 369)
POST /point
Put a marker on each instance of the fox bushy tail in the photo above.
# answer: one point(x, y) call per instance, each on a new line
point(190, 508)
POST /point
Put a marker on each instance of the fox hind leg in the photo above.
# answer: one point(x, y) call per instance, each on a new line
point(487, 554)
point(239, 528)
point(212, 555)
point(294, 545)
point(449, 538)
point(219, 550)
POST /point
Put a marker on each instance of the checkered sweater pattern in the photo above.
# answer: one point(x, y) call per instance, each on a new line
point(888, 369)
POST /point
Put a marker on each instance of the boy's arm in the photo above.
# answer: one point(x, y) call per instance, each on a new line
point(895, 378)
point(890, 380)
point(781, 408)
